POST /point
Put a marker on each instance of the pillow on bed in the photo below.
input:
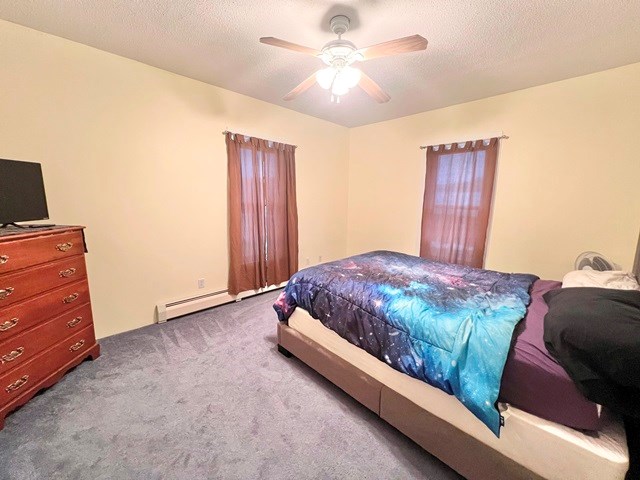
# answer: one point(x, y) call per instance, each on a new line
point(595, 334)
point(616, 279)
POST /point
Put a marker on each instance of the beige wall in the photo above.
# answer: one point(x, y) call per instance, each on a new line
point(136, 154)
point(568, 177)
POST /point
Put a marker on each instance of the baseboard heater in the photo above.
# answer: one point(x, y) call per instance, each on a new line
point(177, 308)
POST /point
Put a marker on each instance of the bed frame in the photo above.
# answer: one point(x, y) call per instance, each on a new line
point(441, 439)
point(436, 436)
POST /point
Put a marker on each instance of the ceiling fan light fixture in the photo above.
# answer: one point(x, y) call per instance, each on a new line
point(350, 76)
point(325, 77)
point(344, 80)
point(339, 88)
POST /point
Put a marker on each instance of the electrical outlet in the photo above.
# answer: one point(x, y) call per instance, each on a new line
point(307, 261)
point(201, 283)
point(319, 258)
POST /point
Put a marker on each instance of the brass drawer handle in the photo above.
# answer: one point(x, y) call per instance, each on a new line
point(71, 298)
point(64, 247)
point(4, 293)
point(4, 259)
point(8, 325)
point(74, 322)
point(17, 384)
point(67, 273)
point(10, 357)
point(77, 346)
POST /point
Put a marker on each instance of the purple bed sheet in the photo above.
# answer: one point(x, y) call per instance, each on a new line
point(534, 381)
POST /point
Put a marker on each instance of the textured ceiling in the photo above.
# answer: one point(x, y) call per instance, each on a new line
point(476, 48)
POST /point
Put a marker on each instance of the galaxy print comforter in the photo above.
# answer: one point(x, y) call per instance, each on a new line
point(448, 325)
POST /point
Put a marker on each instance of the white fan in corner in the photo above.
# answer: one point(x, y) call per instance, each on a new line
point(594, 261)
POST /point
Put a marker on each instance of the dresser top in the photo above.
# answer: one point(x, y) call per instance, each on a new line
point(13, 233)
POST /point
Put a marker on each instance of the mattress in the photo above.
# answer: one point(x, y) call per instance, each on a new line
point(550, 450)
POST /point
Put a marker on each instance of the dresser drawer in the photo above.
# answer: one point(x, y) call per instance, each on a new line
point(18, 254)
point(24, 377)
point(20, 348)
point(20, 316)
point(27, 283)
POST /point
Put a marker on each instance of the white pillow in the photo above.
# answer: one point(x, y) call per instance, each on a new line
point(616, 279)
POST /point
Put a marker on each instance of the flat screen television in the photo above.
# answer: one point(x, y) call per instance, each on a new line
point(22, 196)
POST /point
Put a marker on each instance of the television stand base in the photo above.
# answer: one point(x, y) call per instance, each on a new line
point(11, 224)
point(24, 227)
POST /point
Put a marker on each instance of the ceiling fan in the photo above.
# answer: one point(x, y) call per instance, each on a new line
point(339, 55)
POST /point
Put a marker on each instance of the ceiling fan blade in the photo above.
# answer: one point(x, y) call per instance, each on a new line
point(372, 89)
point(303, 87)
point(394, 47)
point(276, 42)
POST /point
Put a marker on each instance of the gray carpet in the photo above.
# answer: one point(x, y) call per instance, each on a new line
point(204, 396)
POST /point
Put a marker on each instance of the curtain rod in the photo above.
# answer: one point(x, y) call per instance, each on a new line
point(233, 133)
point(423, 147)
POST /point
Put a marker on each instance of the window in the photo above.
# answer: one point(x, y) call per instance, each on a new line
point(263, 220)
point(457, 201)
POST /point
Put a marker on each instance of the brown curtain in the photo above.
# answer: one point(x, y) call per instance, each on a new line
point(263, 218)
point(457, 201)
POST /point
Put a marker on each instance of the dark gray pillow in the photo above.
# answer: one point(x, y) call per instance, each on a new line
point(594, 333)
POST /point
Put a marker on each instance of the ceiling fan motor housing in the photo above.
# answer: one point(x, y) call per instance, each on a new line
point(339, 53)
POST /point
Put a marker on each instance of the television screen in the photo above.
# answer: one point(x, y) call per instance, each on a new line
point(22, 195)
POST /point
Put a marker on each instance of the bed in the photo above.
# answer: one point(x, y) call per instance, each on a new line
point(529, 447)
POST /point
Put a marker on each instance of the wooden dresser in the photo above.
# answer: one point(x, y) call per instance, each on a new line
point(46, 327)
